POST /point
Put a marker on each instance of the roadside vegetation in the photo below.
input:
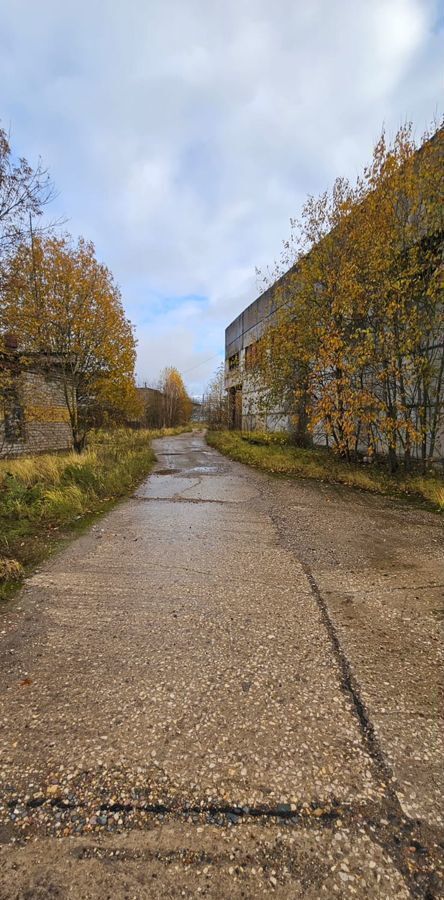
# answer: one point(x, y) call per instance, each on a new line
point(273, 453)
point(60, 308)
point(355, 349)
point(168, 404)
point(45, 499)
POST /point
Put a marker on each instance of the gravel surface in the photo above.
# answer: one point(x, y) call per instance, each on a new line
point(229, 687)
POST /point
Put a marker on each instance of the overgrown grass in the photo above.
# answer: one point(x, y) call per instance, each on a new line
point(272, 453)
point(44, 499)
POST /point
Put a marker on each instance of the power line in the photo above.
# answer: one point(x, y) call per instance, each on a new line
point(201, 363)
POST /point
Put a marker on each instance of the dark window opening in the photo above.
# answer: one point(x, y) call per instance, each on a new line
point(14, 419)
point(233, 362)
point(252, 355)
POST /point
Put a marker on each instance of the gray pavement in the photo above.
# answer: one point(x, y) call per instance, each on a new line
point(231, 688)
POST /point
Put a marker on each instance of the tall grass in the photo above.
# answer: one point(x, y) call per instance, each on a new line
point(42, 495)
point(273, 453)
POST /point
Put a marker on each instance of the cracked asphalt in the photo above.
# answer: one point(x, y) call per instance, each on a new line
point(230, 687)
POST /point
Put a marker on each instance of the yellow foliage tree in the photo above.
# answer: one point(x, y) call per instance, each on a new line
point(24, 192)
point(176, 405)
point(215, 401)
point(60, 301)
point(356, 348)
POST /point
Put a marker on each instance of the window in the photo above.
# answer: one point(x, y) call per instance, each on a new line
point(233, 362)
point(14, 422)
point(252, 355)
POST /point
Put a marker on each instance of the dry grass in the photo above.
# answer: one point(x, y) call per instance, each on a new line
point(431, 489)
point(10, 570)
point(272, 453)
point(44, 497)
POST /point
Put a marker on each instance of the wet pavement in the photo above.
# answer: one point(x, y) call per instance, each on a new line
point(231, 687)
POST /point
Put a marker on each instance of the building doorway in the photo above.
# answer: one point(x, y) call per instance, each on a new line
point(236, 408)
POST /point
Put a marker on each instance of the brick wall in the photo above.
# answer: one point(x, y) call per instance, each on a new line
point(35, 418)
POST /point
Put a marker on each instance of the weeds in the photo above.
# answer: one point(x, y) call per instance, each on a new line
point(273, 453)
point(45, 498)
point(10, 570)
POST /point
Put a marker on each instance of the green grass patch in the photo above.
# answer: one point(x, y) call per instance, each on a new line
point(44, 500)
point(274, 454)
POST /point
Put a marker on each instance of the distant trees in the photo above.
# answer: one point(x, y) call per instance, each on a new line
point(175, 404)
point(357, 349)
point(63, 303)
point(215, 401)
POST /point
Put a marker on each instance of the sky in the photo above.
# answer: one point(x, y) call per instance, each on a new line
point(182, 135)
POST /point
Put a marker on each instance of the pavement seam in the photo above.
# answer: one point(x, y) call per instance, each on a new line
point(186, 500)
point(387, 590)
point(308, 812)
point(399, 837)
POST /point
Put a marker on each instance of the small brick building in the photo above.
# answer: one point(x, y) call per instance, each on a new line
point(33, 412)
point(151, 404)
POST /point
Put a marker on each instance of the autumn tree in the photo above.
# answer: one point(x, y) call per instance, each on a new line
point(65, 305)
point(24, 193)
point(215, 401)
point(308, 359)
point(176, 405)
point(356, 345)
point(402, 262)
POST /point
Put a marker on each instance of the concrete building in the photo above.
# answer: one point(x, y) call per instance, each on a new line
point(248, 406)
point(249, 409)
point(197, 410)
point(151, 399)
point(33, 412)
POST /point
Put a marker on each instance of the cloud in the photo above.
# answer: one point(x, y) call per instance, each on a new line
point(183, 136)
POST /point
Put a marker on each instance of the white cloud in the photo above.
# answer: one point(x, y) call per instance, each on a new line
point(183, 136)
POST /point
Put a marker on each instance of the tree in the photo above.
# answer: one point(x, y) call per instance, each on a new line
point(215, 401)
point(24, 192)
point(62, 303)
point(356, 346)
point(176, 404)
point(310, 355)
point(404, 214)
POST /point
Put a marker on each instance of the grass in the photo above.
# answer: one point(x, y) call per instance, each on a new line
point(46, 499)
point(273, 453)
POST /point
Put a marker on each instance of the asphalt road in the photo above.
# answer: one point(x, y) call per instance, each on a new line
point(231, 687)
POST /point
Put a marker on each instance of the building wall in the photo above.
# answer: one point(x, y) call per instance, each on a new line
point(248, 406)
point(151, 416)
point(35, 418)
point(247, 400)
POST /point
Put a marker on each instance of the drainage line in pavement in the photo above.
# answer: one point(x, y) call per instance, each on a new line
point(400, 837)
point(395, 836)
point(181, 500)
point(350, 685)
point(282, 811)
